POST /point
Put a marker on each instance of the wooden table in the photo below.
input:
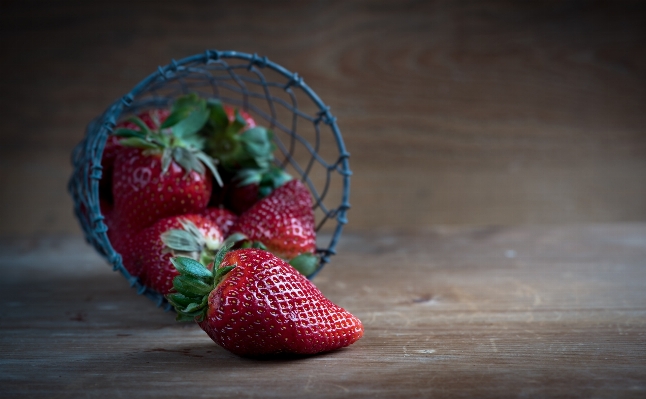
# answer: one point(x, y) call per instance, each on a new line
point(448, 312)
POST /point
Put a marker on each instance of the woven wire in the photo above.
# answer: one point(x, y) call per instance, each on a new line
point(283, 102)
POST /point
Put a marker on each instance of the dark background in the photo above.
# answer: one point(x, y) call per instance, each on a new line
point(455, 112)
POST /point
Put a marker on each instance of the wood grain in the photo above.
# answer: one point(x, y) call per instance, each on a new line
point(448, 312)
point(496, 112)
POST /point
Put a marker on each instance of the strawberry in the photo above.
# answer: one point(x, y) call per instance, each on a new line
point(254, 303)
point(250, 185)
point(150, 250)
point(112, 148)
point(122, 242)
point(162, 172)
point(152, 119)
point(239, 198)
point(145, 190)
point(283, 221)
point(222, 217)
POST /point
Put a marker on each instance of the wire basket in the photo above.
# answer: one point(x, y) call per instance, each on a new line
point(308, 141)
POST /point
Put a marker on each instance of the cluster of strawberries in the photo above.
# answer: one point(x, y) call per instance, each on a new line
point(200, 213)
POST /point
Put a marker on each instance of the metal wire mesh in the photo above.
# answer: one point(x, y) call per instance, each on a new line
point(308, 140)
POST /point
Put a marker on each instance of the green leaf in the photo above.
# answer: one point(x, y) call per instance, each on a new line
point(210, 164)
point(141, 124)
point(166, 159)
point(217, 115)
point(234, 238)
point(271, 180)
point(191, 124)
point(182, 107)
point(258, 142)
point(221, 272)
point(188, 115)
point(183, 317)
point(238, 122)
point(221, 253)
point(181, 240)
point(173, 119)
point(194, 306)
point(190, 227)
point(191, 287)
point(227, 148)
point(259, 245)
point(305, 263)
point(187, 160)
point(178, 300)
point(197, 315)
point(258, 146)
point(193, 142)
point(137, 142)
point(191, 267)
point(125, 133)
point(247, 176)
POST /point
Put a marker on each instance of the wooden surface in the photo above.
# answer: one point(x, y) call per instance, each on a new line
point(454, 112)
point(448, 312)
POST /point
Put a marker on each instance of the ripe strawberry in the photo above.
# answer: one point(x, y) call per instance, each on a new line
point(112, 148)
point(144, 192)
point(150, 250)
point(240, 198)
point(153, 119)
point(283, 221)
point(254, 303)
point(122, 242)
point(250, 185)
point(163, 172)
point(222, 217)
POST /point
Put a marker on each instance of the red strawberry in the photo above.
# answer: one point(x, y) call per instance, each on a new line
point(144, 192)
point(282, 221)
point(122, 242)
point(153, 119)
point(239, 198)
point(223, 218)
point(112, 147)
point(159, 171)
point(164, 173)
point(106, 211)
point(254, 303)
point(250, 185)
point(150, 250)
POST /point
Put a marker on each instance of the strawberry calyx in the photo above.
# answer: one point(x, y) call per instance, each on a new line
point(190, 242)
point(176, 139)
point(191, 288)
point(234, 142)
point(305, 263)
point(268, 179)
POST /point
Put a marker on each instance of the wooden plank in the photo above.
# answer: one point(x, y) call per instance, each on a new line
point(498, 112)
point(450, 312)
